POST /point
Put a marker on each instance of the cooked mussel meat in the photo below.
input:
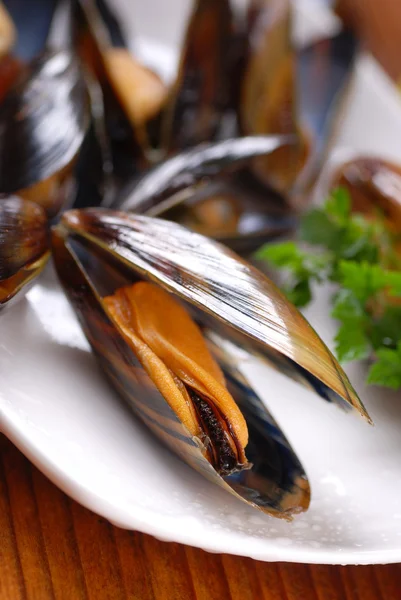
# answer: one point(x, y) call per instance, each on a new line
point(24, 245)
point(140, 91)
point(119, 272)
point(173, 352)
point(7, 31)
point(215, 215)
point(132, 94)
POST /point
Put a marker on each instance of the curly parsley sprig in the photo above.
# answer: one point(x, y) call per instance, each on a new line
point(358, 255)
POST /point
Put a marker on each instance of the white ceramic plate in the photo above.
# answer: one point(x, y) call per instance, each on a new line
point(56, 407)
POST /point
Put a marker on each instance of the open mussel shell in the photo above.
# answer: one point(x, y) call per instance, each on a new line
point(140, 91)
point(324, 70)
point(132, 94)
point(225, 289)
point(238, 217)
point(374, 185)
point(289, 89)
point(275, 480)
point(200, 93)
point(43, 122)
point(44, 115)
point(24, 245)
point(268, 97)
point(203, 189)
point(190, 169)
point(98, 251)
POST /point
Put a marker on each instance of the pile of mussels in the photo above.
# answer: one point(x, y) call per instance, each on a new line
point(94, 146)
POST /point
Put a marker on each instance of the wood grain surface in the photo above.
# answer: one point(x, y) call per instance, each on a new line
point(52, 548)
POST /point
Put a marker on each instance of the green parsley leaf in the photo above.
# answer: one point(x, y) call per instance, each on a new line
point(393, 281)
point(300, 293)
point(283, 255)
point(338, 205)
point(304, 267)
point(352, 342)
point(385, 331)
point(361, 256)
point(347, 307)
point(316, 228)
point(386, 371)
point(357, 242)
point(363, 279)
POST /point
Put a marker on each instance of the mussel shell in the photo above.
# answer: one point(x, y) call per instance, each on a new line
point(268, 97)
point(43, 121)
point(232, 215)
point(276, 472)
point(374, 185)
point(200, 93)
point(225, 292)
point(54, 193)
point(191, 169)
point(192, 181)
point(276, 482)
point(104, 53)
point(324, 71)
point(94, 181)
point(111, 23)
point(24, 245)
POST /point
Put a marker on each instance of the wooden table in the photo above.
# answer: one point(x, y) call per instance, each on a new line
point(50, 547)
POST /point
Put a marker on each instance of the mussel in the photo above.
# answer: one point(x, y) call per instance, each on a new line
point(44, 118)
point(169, 314)
point(24, 245)
point(256, 197)
point(205, 189)
point(269, 98)
point(374, 185)
point(132, 94)
point(200, 94)
point(297, 90)
point(324, 72)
